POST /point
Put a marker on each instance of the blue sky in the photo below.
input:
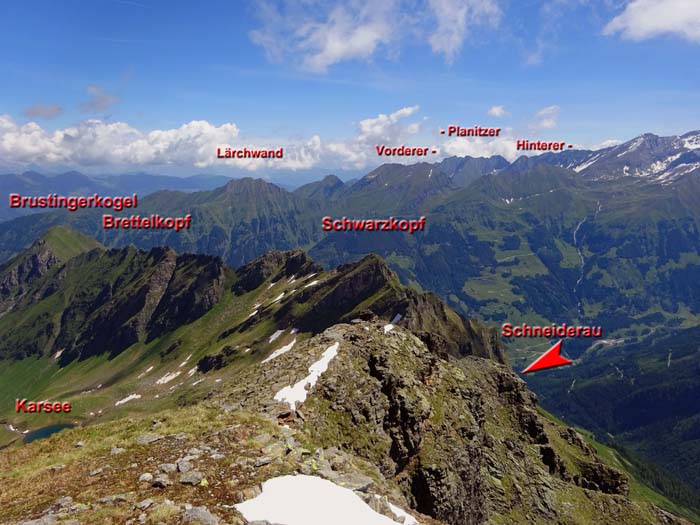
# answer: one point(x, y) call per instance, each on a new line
point(107, 85)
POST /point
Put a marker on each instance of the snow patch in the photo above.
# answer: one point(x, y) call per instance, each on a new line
point(277, 298)
point(692, 142)
point(197, 382)
point(396, 318)
point(58, 354)
point(388, 328)
point(402, 515)
point(128, 398)
point(297, 393)
point(637, 142)
point(167, 378)
point(275, 335)
point(185, 361)
point(312, 283)
point(587, 163)
point(294, 331)
point(253, 313)
point(309, 500)
point(280, 351)
point(145, 372)
point(192, 371)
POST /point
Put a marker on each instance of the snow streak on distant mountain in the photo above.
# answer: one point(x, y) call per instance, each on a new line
point(662, 159)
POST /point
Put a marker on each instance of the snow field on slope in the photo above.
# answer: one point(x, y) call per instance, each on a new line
point(298, 392)
point(280, 351)
point(310, 500)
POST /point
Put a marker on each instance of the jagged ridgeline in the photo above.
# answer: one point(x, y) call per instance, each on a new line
point(193, 383)
point(68, 295)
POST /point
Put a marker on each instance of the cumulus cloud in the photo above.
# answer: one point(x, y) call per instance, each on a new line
point(454, 18)
point(317, 35)
point(497, 111)
point(644, 19)
point(388, 129)
point(40, 110)
point(546, 118)
point(505, 145)
point(99, 100)
point(94, 142)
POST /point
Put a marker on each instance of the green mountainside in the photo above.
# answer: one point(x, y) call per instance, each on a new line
point(608, 238)
point(185, 416)
point(640, 395)
point(543, 245)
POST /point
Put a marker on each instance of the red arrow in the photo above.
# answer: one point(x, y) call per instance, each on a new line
point(550, 359)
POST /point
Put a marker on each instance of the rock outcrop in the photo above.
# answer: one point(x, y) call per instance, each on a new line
point(463, 439)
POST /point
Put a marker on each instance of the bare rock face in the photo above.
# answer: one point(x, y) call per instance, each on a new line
point(109, 299)
point(599, 476)
point(17, 276)
point(275, 264)
point(370, 288)
point(196, 285)
point(463, 439)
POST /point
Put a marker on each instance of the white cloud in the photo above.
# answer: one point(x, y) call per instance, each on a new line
point(316, 35)
point(342, 37)
point(94, 142)
point(40, 110)
point(454, 17)
point(497, 111)
point(483, 147)
point(643, 19)
point(383, 129)
point(606, 144)
point(117, 144)
point(319, 35)
point(535, 56)
point(98, 101)
point(547, 118)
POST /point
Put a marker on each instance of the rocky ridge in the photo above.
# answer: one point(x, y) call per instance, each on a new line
point(381, 392)
point(447, 441)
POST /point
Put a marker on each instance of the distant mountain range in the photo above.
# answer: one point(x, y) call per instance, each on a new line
point(608, 237)
point(73, 183)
